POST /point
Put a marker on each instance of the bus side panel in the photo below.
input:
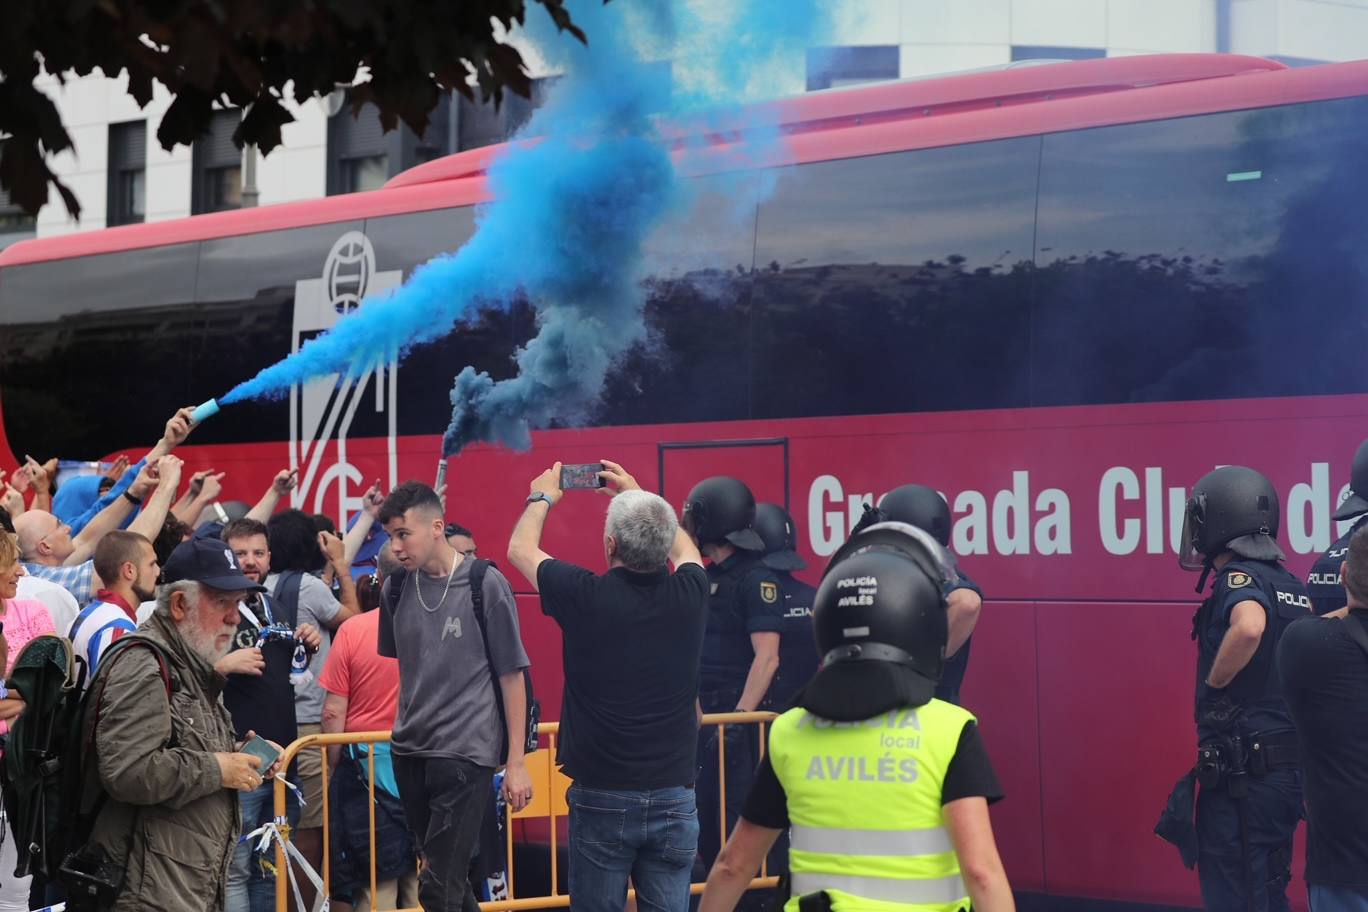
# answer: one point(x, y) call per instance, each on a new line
point(1001, 690)
point(1116, 731)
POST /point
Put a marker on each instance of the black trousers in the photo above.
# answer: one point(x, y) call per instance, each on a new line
point(444, 802)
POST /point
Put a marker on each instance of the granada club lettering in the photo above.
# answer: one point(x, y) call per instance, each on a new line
point(1015, 523)
point(1139, 511)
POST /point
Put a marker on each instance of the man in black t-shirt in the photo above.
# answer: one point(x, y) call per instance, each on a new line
point(260, 698)
point(633, 644)
point(1325, 684)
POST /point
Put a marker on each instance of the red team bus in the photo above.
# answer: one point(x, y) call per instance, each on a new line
point(1060, 294)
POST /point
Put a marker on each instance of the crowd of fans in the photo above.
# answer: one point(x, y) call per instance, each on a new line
point(265, 624)
point(137, 548)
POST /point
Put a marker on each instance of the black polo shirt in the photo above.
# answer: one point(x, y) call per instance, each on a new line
point(632, 645)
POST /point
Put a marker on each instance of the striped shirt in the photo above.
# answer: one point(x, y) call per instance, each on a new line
point(79, 579)
point(99, 626)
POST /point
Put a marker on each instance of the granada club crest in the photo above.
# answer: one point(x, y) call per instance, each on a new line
point(322, 411)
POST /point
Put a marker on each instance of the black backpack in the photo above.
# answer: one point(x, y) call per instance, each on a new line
point(478, 568)
point(52, 790)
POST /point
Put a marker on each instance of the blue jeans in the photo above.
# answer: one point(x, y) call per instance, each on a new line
point(1338, 899)
point(651, 836)
point(248, 889)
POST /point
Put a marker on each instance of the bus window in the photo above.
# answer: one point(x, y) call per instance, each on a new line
point(248, 301)
point(1206, 257)
point(694, 362)
point(487, 341)
point(896, 283)
point(97, 352)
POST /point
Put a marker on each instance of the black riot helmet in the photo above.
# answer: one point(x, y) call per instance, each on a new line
point(1356, 504)
point(722, 509)
point(1231, 509)
point(881, 625)
point(920, 506)
point(775, 527)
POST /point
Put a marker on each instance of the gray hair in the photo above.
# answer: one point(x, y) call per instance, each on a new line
point(643, 525)
point(164, 593)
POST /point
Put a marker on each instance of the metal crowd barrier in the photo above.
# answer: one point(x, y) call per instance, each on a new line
point(549, 786)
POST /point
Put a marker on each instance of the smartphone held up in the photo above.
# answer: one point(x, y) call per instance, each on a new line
point(581, 476)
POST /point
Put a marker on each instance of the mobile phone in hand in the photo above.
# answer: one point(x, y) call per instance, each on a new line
point(581, 476)
point(263, 750)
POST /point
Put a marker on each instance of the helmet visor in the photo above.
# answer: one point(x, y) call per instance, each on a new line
point(1189, 557)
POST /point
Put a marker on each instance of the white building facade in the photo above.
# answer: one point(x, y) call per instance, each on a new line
point(121, 174)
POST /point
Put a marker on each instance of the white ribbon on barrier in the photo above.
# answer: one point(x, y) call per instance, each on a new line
point(272, 832)
point(60, 907)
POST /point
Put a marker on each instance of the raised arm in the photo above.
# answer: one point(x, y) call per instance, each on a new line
point(346, 587)
point(282, 484)
point(371, 502)
point(178, 427)
point(113, 515)
point(524, 546)
point(153, 516)
point(204, 488)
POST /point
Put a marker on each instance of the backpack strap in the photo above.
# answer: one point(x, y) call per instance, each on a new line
point(1355, 625)
point(286, 594)
point(396, 581)
point(478, 569)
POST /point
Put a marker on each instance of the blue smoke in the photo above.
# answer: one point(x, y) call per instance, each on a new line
point(573, 208)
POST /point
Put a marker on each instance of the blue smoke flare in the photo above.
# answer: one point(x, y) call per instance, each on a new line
point(573, 208)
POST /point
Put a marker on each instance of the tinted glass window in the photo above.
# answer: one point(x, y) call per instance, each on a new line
point(879, 280)
point(487, 341)
point(97, 352)
point(694, 361)
point(1209, 257)
point(254, 295)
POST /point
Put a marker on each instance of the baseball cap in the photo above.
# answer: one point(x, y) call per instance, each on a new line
point(210, 562)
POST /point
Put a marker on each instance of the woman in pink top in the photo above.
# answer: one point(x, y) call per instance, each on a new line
point(24, 619)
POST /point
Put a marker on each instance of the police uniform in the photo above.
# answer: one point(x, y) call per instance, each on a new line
point(859, 771)
point(1323, 582)
point(1262, 731)
point(797, 654)
point(745, 598)
point(952, 679)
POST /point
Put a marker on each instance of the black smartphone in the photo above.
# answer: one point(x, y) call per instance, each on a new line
point(581, 476)
point(263, 750)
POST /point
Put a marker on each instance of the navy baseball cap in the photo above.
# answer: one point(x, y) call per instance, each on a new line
point(210, 562)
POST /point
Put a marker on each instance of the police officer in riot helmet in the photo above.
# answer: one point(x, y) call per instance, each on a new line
point(891, 805)
point(1327, 591)
point(740, 645)
point(797, 657)
point(1250, 791)
point(923, 507)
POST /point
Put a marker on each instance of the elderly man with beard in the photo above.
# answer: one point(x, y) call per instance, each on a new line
point(169, 763)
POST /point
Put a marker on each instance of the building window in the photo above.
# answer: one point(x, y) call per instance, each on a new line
point(358, 150)
point(833, 67)
point(367, 172)
point(127, 173)
point(217, 166)
point(1048, 52)
point(482, 124)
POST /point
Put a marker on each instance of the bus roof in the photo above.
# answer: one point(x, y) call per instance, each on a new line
point(906, 114)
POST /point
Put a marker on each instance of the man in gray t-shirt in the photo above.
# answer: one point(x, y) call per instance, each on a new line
point(447, 735)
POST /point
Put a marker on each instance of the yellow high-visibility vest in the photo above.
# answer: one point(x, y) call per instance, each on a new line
point(864, 806)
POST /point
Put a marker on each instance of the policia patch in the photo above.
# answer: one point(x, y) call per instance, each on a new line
point(769, 593)
point(1238, 580)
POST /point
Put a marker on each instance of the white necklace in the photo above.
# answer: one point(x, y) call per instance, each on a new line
point(445, 589)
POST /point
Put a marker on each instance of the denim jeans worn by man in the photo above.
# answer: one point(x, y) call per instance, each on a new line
point(633, 638)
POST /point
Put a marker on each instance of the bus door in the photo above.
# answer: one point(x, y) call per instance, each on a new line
point(763, 464)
